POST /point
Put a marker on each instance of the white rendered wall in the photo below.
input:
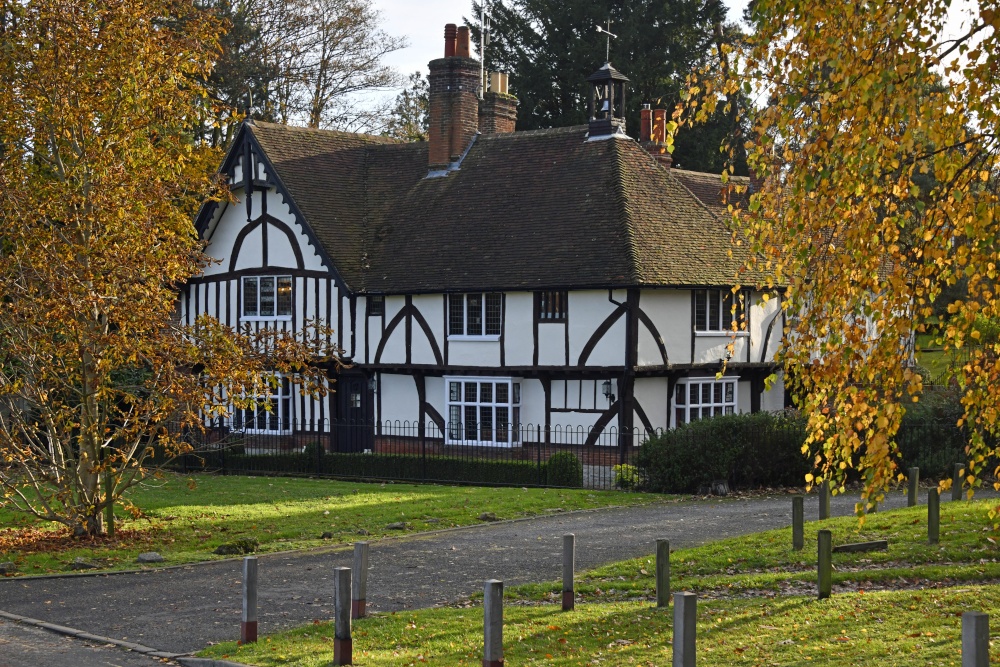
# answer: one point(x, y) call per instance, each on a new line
point(670, 312)
point(587, 310)
point(518, 327)
point(431, 307)
point(653, 395)
point(399, 399)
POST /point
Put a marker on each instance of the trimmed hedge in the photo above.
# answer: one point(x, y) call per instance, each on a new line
point(746, 450)
point(564, 469)
point(379, 466)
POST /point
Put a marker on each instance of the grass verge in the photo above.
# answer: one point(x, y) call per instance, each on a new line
point(757, 606)
point(186, 517)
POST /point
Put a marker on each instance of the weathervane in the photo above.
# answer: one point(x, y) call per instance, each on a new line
point(607, 31)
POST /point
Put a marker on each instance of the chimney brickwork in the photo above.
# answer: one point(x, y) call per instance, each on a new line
point(497, 113)
point(653, 134)
point(453, 100)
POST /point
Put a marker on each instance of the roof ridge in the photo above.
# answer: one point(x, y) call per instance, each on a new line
point(372, 138)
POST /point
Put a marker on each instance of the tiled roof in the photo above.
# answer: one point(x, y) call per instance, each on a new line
point(526, 210)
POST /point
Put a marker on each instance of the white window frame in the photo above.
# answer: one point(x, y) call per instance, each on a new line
point(279, 420)
point(716, 403)
point(726, 317)
point(501, 433)
point(267, 318)
point(465, 316)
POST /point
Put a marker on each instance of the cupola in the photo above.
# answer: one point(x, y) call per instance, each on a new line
point(607, 102)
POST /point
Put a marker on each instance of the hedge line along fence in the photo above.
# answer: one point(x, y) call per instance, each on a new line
point(747, 451)
point(529, 456)
point(765, 449)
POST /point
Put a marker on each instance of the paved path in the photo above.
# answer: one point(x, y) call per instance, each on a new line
point(183, 609)
point(26, 646)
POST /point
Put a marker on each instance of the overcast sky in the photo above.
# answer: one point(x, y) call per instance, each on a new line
point(422, 23)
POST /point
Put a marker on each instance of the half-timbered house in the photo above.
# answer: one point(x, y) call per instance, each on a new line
point(487, 280)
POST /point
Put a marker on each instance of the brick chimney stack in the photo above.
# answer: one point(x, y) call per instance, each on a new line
point(498, 108)
point(653, 134)
point(454, 100)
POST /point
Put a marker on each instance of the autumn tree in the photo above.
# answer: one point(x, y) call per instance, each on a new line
point(875, 139)
point(99, 181)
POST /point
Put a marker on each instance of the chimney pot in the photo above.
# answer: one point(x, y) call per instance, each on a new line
point(645, 123)
point(450, 32)
point(462, 45)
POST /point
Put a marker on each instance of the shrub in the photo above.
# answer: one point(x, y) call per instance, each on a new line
point(564, 469)
point(314, 451)
point(759, 449)
point(626, 477)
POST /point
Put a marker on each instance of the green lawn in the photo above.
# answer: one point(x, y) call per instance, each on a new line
point(185, 517)
point(757, 606)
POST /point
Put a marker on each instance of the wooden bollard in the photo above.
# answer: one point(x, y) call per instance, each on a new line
point(493, 624)
point(824, 500)
point(913, 487)
point(975, 639)
point(342, 645)
point(933, 516)
point(824, 563)
point(662, 573)
point(956, 482)
point(569, 564)
point(798, 523)
point(359, 583)
point(248, 621)
point(685, 629)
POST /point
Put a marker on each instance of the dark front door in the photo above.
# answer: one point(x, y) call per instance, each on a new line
point(354, 428)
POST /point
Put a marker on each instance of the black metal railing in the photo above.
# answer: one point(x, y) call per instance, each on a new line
point(514, 455)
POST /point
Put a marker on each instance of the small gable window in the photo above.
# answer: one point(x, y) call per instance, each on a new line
point(551, 306)
point(376, 306)
point(477, 315)
point(267, 297)
point(713, 309)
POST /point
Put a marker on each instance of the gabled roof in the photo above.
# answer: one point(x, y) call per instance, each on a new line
point(543, 209)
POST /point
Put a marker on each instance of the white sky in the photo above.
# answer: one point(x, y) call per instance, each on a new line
point(423, 21)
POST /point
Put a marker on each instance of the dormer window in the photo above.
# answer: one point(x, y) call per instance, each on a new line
point(267, 297)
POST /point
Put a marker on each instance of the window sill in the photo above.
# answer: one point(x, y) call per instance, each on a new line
point(482, 339)
point(739, 334)
point(279, 318)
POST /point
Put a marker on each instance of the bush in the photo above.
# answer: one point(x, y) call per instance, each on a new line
point(626, 477)
point(564, 469)
point(386, 466)
point(746, 450)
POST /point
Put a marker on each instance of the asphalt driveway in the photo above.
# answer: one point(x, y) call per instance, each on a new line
point(183, 609)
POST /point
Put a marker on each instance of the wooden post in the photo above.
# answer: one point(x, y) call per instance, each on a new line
point(493, 624)
point(933, 516)
point(913, 488)
point(824, 500)
point(359, 584)
point(248, 623)
point(975, 639)
point(798, 523)
point(342, 645)
point(662, 573)
point(824, 563)
point(569, 562)
point(956, 482)
point(685, 629)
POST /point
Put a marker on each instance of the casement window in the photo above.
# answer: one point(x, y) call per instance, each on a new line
point(376, 306)
point(272, 413)
point(483, 411)
point(475, 316)
point(551, 306)
point(267, 297)
point(696, 399)
point(713, 309)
